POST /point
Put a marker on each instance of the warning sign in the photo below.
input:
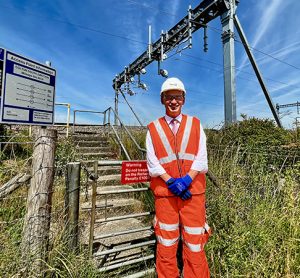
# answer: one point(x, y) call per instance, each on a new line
point(134, 172)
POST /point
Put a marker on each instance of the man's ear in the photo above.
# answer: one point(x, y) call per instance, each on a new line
point(162, 98)
point(183, 102)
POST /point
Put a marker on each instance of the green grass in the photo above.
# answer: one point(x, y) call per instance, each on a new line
point(254, 213)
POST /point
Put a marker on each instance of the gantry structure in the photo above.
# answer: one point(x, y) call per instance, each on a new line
point(182, 33)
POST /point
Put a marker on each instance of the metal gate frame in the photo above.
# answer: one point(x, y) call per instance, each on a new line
point(108, 219)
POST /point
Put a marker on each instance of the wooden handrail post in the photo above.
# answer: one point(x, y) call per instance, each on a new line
point(72, 203)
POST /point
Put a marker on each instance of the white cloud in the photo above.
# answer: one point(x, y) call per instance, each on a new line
point(270, 11)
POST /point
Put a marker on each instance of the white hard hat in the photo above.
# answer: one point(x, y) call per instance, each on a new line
point(172, 83)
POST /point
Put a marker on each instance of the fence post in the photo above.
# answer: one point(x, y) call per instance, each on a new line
point(68, 119)
point(72, 203)
point(74, 115)
point(93, 212)
point(104, 118)
point(35, 238)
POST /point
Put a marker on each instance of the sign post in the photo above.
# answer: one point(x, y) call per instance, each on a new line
point(28, 91)
point(1, 70)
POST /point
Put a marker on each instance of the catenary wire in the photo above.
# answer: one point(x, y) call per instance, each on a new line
point(220, 71)
point(220, 31)
point(144, 43)
point(237, 69)
point(79, 26)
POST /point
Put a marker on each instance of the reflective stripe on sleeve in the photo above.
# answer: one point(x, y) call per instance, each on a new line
point(186, 135)
point(168, 227)
point(166, 242)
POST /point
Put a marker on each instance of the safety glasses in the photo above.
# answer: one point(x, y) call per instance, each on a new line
point(171, 97)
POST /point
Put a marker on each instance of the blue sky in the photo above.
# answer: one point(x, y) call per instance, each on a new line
point(85, 41)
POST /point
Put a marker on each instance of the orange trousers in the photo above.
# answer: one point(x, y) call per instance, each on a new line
point(173, 215)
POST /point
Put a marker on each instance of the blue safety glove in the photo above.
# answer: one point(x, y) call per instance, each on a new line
point(174, 187)
point(187, 180)
point(178, 186)
point(185, 195)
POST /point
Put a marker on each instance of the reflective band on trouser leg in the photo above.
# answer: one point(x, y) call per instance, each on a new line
point(195, 235)
point(167, 242)
point(195, 263)
point(167, 234)
point(201, 236)
point(194, 247)
point(194, 230)
point(168, 227)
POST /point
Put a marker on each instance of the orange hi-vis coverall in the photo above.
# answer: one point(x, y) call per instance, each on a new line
point(176, 154)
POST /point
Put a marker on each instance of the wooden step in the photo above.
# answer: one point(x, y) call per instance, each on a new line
point(96, 156)
point(105, 180)
point(91, 143)
point(141, 259)
point(125, 248)
point(89, 137)
point(111, 188)
point(106, 170)
point(113, 206)
point(145, 273)
point(94, 149)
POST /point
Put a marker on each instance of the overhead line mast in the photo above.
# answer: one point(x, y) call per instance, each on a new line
point(206, 11)
point(181, 33)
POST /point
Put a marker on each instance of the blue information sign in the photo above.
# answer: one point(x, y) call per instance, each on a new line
point(28, 91)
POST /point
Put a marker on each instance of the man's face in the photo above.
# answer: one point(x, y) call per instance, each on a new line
point(173, 100)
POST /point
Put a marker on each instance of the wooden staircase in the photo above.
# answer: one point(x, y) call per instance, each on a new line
point(123, 237)
point(93, 146)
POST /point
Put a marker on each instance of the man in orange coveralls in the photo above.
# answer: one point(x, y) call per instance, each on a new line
point(177, 163)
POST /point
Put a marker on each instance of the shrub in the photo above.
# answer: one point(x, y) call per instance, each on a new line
point(252, 133)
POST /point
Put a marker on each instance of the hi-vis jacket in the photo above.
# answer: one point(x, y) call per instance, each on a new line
point(176, 153)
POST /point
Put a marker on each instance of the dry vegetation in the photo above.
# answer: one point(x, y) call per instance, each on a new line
point(254, 213)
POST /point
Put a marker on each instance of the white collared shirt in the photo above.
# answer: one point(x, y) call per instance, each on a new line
point(199, 164)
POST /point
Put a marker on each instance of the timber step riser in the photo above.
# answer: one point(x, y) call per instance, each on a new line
point(89, 138)
point(94, 149)
point(91, 144)
point(96, 156)
point(113, 207)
